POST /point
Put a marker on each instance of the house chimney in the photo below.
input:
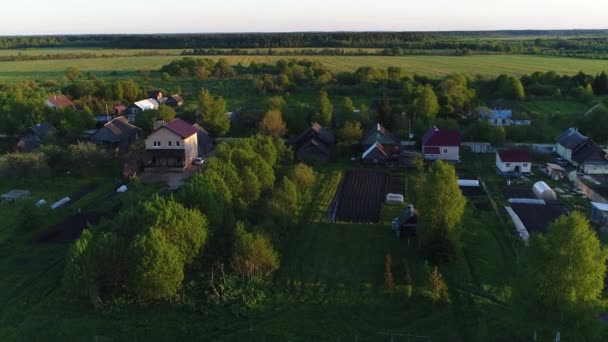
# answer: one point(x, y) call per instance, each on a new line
point(158, 124)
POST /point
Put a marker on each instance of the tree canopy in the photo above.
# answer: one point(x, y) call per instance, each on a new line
point(562, 275)
point(212, 113)
point(441, 206)
point(324, 109)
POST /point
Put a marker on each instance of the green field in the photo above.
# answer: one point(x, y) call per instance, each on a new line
point(482, 65)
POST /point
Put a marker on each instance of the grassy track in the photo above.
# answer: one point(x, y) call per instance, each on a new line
point(483, 65)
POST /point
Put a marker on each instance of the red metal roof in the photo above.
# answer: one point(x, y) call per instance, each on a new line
point(181, 128)
point(437, 137)
point(61, 101)
point(515, 156)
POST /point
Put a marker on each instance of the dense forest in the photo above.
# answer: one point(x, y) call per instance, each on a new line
point(582, 43)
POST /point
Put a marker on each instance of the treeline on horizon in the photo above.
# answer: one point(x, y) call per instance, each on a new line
point(582, 41)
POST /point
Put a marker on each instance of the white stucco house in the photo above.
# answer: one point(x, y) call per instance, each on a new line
point(441, 145)
point(518, 161)
point(172, 146)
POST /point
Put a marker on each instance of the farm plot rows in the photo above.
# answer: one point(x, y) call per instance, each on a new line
point(396, 183)
point(359, 198)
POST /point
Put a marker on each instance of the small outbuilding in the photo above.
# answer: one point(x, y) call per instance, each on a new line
point(13, 195)
point(517, 161)
point(543, 191)
point(599, 213)
point(556, 172)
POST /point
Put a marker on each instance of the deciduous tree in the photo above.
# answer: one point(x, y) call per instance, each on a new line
point(272, 124)
point(324, 109)
point(441, 206)
point(562, 276)
point(427, 105)
point(213, 113)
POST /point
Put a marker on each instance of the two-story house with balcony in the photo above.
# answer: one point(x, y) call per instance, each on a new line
point(172, 146)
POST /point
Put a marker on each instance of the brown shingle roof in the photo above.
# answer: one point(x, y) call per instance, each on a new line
point(181, 128)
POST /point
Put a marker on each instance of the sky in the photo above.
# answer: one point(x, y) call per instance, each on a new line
point(22, 17)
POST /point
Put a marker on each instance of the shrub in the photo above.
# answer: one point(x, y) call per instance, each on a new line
point(303, 176)
point(254, 255)
point(438, 287)
point(23, 165)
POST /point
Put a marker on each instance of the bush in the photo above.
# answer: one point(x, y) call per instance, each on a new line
point(254, 255)
point(303, 176)
point(23, 165)
point(438, 287)
point(87, 158)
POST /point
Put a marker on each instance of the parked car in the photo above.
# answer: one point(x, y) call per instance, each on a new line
point(198, 161)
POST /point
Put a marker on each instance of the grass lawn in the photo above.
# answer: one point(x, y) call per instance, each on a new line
point(483, 65)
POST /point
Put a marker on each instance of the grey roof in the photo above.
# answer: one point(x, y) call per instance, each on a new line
point(378, 133)
point(571, 138)
point(589, 152)
point(315, 132)
point(115, 131)
point(43, 129)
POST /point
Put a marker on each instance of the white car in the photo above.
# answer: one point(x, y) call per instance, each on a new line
point(198, 161)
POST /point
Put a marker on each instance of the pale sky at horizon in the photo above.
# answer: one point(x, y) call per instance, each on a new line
point(24, 17)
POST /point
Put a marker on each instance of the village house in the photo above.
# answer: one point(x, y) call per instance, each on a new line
point(379, 134)
point(172, 146)
point(375, 154)
point(441, 145)
point(140, 106)
point(504, 117)
point(156, 95)
point(32, 139)
point(59, 102)
point(582, 152)
point(174, 101)
point(315, 144)
point(116, 134)
point(517, 161)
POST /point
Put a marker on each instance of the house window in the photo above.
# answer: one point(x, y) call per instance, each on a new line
point(177, 143)
point(507, 164)
point(169, 143)
point(445, 150)
point(156, 143)
point(525, 164)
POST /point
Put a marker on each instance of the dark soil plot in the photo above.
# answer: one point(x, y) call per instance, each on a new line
point(359, 197)
point(517, 192)
point(396, 184)
point(70, 229)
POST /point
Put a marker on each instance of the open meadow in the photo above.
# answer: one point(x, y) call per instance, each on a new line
point(434, 66)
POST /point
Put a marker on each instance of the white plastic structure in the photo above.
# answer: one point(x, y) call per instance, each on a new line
point(468, 183)
point(123, 188)
point(394, 198)
point(544, 191)
point(60, 203)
